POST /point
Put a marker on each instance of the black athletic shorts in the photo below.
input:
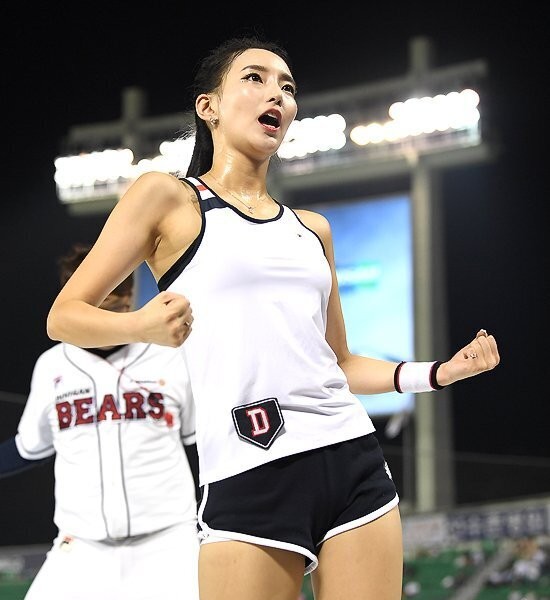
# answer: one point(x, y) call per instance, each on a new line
point(297, 502)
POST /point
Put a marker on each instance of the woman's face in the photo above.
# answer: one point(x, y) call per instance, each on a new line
point(257, 102)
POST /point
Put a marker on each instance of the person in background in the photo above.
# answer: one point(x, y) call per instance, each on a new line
point(293, 478)
point(120, 422)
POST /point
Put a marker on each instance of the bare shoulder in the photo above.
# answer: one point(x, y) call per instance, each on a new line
point(316, 222)
point(159, 186)
point(153, 200)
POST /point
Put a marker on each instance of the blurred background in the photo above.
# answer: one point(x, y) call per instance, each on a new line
point(437, 208)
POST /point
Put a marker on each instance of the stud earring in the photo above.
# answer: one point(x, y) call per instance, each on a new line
point(214, 121)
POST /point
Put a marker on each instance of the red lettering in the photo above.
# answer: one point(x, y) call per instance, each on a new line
point(156, 405)
point(108, 406)
point(64, 414)
point(134, 405)
point(82, 406)
point(135, 409)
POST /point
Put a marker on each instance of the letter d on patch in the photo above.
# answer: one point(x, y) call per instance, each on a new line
point(258, 422)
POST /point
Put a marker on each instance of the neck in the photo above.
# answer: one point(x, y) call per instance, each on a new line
point(250, 185)
point(249, 194)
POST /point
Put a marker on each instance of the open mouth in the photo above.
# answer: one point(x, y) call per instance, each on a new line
point(270, 120)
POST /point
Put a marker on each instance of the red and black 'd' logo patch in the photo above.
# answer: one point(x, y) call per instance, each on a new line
point(259, 422)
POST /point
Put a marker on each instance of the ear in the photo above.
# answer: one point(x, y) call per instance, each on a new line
point(205, 107)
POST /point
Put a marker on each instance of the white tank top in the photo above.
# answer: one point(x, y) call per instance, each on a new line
point(265, 381)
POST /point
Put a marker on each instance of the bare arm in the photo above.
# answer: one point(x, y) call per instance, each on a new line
point(368, 375)
point(131, 235)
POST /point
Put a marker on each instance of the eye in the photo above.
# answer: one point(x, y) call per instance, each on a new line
point(288, 87)
point(253, 77)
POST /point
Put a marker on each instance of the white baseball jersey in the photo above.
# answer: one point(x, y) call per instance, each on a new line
point(116, 426)
point(265, 381)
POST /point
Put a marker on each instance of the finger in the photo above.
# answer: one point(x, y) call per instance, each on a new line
point(187, 321)
point(471, 353)
point(180, 335)
point(481, 348)
point(486, 348)
point(493, 354)
point(187, 317)
point(166, 297)
point(186, 331)
point(173, 299)
point(493, 346)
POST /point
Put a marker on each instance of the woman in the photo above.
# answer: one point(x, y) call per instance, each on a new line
point(292, 476)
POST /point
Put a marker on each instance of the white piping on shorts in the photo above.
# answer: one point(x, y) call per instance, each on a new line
point(208, 536)
point(362, 521)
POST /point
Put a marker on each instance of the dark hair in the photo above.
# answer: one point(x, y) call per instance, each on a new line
point(208, 78)
point(69, 262)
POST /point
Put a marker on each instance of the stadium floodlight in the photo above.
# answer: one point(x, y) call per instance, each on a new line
point(107, 173)
point(426, 112)
point(426, 118)
point(427, 124)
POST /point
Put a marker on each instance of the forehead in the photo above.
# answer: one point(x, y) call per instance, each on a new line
point(260, 57)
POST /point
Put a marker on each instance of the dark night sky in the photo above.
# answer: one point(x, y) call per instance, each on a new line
point(62, 69)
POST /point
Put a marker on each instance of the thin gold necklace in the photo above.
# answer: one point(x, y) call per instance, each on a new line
point(248, 207)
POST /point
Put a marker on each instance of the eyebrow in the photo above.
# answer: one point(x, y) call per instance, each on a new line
point(286, 76)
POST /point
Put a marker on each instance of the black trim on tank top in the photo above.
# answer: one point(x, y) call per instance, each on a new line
point(225, 204)
point(173, 272)
point(309, 229)
point(205, 204)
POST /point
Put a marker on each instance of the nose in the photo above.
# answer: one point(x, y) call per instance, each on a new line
point(277, 98)
point(276, 93)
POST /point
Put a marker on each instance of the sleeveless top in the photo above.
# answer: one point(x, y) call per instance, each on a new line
point(265, 381)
